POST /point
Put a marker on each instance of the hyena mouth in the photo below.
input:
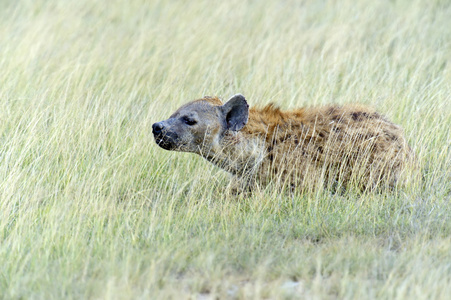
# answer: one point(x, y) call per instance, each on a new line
point(166, 141)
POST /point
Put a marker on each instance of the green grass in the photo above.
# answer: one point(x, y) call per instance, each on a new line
point(91, 208)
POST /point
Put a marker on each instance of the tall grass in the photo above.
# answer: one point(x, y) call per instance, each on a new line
point(90, 207)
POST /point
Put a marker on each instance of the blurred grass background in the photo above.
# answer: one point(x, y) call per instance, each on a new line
point(90, 207)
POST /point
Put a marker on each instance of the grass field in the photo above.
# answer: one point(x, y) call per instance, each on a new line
point(92, 208)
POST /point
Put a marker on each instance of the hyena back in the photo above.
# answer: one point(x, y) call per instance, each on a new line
point(331, 145)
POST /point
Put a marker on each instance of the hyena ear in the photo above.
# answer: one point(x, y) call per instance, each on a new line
point(235, 112)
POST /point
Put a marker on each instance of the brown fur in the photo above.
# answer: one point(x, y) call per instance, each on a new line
point(349, 145)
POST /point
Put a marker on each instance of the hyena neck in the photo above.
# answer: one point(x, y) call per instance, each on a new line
point(237, 153)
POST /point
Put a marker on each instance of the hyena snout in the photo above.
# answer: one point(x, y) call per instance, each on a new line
point(157, 128)
point(163, 137)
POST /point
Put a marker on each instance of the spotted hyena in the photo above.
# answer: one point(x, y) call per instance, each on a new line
point(350, 145)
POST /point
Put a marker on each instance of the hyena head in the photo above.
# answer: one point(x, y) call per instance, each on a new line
point(199, 126)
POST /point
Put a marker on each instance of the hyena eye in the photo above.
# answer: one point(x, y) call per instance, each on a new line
point(189, 121)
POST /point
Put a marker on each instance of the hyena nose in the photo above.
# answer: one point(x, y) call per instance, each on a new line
point(157, 128)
